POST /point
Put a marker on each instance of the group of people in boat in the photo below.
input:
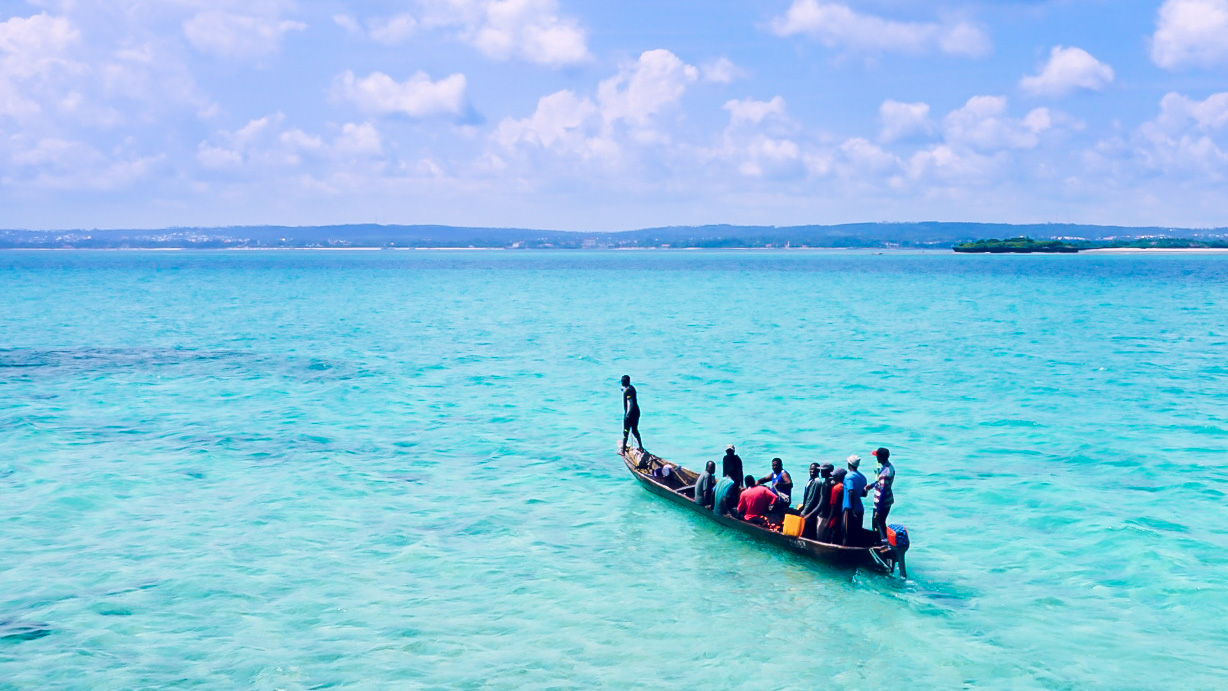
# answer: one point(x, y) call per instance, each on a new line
point(831, 508)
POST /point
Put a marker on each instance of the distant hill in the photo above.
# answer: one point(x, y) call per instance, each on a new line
point(916, 235)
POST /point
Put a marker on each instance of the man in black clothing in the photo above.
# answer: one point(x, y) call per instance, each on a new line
point(816, 499)
point(731, 466)
point(631, 413)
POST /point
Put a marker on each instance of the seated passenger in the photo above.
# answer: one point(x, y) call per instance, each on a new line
point(756, 501)
point(779, 481)
point(705, 485)
point(725, 498)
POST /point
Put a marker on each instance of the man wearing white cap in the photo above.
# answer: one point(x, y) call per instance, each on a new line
point(854, 490)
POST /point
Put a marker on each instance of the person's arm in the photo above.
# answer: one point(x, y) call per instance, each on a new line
point(743, 504)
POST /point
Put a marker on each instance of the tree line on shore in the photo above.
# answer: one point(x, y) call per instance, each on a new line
point(1025, 245)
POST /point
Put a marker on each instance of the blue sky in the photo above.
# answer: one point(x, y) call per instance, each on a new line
point(612, 115)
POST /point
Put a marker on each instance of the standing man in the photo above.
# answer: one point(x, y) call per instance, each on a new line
point(883, 497)
point(829, 530)
point(854, 512)
point(631, 413)
point(731, 466)
point(705, 485)
point(815, 498)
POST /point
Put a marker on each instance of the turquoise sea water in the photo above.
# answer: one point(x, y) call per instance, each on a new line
point(282, 470)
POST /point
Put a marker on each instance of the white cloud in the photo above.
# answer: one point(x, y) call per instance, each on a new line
point(721, 71)
point(982, 145)
point(839, 27)
point(982, 124)
point(866, 157)
point(1178, 112)
point(760, 141)
point(233, 149)
point(60, 153)
point(528, 30)
point(416, 97)
point(964, 39)
point(1068, 69)
point(901, 120)
point(88, 104)
point(348, 23)
point(394, 29)
point(1191, 32)
point(559, 117)
point(772, 158)
point(265, 144)
point(753, 112)
point(1182, 139)
point(642, 89)
point(592, 129)
point(69, 164)
point(386, 30)
point(299, 141)
point(952, 164)
point(359, 140)
point(30, 49)
point(237, 36)
point(563, 122)
point(217, 157)
point(29, 42)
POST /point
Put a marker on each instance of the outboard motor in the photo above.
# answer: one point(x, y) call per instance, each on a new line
point(897, 538)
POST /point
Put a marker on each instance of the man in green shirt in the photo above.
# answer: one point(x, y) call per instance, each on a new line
point(725, 498)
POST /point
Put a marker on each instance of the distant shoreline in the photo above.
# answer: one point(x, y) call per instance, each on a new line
point(865, 250)
point(896, 236)
point(861, 250)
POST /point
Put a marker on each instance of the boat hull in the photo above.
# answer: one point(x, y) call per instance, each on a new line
point(667, 488)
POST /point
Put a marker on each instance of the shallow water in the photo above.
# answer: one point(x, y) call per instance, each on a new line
point(308, 470)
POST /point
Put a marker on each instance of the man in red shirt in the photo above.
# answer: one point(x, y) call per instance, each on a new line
point(756, 501)
point(829, 526)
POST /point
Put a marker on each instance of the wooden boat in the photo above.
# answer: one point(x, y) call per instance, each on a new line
point(677, 484)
